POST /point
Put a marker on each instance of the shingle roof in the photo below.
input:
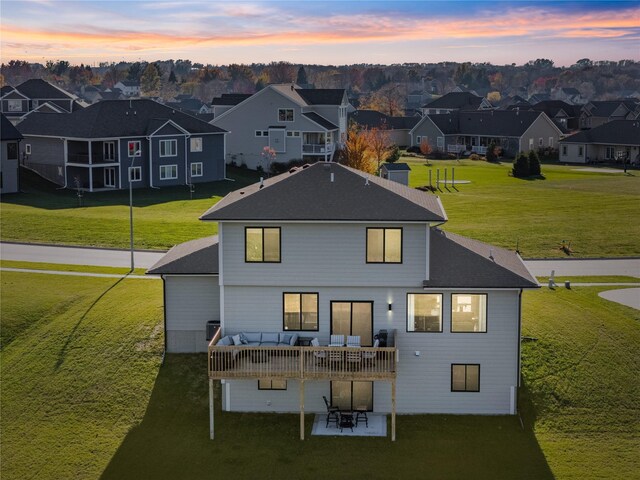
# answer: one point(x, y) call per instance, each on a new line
point(196, 257)
point(130, 83)
point(501, 123)
point(456, 100)
point(7, 130)
point(321, 96)
point(320, 120)
point(374, 119)
point(308, 194)
point(37, 88)
point(112, 119)
point(6, 89)
point(396, 167)
point(457, 261)
point(605, 108)
point(230, 98)
point(552, 107)
point(616, 132)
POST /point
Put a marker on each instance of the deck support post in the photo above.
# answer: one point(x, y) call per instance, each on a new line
point(393, 410)
point(211, 434)
point(301, 409)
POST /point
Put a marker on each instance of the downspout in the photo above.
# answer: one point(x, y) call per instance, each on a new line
point(186, 170)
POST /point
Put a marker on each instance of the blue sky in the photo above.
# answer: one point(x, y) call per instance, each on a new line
point(327, 32)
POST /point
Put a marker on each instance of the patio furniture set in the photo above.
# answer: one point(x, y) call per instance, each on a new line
point(346, 418)
point(353, 356)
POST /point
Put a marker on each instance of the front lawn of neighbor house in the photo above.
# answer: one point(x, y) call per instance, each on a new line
point(84, 396)
point(590, 211)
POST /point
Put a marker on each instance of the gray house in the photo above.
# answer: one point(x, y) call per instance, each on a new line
point(398, 128)
point(465, 131)
point(113, 142)
point(615, 141)
point(454, 101)
point(10, 138)
point(596, 113)
point(32, 94)
point(293, 122)
point(324, 251)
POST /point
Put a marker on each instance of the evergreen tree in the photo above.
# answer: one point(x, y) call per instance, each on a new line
point(150, 81)
point(302, 76)
point(172, 77)
point(491, 153)
point(534, 164)
point(521, 166)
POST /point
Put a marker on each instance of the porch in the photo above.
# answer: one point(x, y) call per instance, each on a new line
point(317, 143)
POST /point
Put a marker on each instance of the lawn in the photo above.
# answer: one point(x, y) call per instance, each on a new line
point(84, 396)
point(581, 208)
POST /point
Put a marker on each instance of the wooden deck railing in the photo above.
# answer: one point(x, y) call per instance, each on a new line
point(334, 363)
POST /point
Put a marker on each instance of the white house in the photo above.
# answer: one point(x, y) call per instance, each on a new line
point(326, 250)
point(614, 141)
point(296, 123)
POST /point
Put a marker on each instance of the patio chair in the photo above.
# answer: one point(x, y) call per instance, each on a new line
point(354, 358)
point(320, 356)
point(333, 413)
point(370, 357)
point(353, 341)
point(337, 341)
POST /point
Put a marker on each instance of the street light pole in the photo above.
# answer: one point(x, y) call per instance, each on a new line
point(131, 208)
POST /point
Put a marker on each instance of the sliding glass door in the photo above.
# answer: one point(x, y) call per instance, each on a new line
point(353, 318)
point(352, 395)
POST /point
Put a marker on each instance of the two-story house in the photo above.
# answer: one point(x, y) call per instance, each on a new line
point(326, 250)
point(295, 123)
point(32, 95)
point(114, 142)
point(596, 113)
point(454, 101)
point(129, 88)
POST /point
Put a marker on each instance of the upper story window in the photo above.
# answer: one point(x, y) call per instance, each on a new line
point(262, 244)
point(424, 312)
point(469, 312)
point(384, 245)
point(300, 311)
point(195, 144)
point(14, 105)
point(285, 114)
point(168, 148)
point(134, 148)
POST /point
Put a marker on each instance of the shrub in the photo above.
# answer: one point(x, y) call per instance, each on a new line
point(521, 166)
point(491, 153)
point(534, 164)
point(394, 155)
point(413, 149)
point(474, 156)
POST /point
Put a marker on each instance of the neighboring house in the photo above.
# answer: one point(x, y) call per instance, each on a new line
point(512, 130)
point(190, 105)
point(10, 139)
point(596, 113)
point(614, 141)
point(397, 127)
point(227, 101)
point(129, 88)
point(112, 141)
point(328, 250)
point(397, 172)
point(455, 101)
point(564, 115)
point(570, 95)
point(30, 95)
point(539, 97)
point(296, 123)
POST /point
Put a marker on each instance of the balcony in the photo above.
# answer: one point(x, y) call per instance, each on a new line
point(317, 149)
point(304, 363)
point(96, 159)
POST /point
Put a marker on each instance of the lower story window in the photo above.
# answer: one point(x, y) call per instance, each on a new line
point(196, 169)
point(465, 377)
point(168, 172)
point(135, 174)
point(272, 384)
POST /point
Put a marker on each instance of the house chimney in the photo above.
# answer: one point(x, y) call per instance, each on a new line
point(331, 177)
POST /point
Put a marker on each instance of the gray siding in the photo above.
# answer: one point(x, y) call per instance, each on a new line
point(190, 301)
point(325, 255)
point(8, 169)
point(573, 154)
point(426, 129)
point(244, 396)
point(424, 380)
point(541, 129)
point(47, 154)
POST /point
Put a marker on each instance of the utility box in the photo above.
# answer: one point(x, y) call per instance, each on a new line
point(212, 328)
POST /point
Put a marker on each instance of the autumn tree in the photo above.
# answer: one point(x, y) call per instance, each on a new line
point(356, 153)
point(425, 147)
point(281, 72)
point(379, 142)
point(150, 81)
point(389, 100)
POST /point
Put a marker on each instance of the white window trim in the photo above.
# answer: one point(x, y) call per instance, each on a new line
point(293, 115)
point(112, 150)
point(171, 141)
point(106, 175)
point(14, 105)
point(138, 174)
point(173, 167)
point(551, 141)
point(193, 175)
point(137, 152)
point(27, 149)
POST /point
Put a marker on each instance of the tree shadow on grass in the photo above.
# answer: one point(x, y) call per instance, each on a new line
point(40, 193)
point(172, 441)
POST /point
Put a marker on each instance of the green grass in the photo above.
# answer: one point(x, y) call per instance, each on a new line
point(60, 267)
point(589, 210)
point(162, 217)
point(83, 396)
point(592, 279)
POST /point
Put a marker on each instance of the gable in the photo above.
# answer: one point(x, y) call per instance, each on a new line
point(167, 129)
point(264, 105)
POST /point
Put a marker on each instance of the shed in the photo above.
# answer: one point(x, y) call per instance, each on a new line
point(398, 172)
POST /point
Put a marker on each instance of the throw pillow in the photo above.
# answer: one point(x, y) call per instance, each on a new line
point(243, 339)
point(315, 342)
point(236, 340)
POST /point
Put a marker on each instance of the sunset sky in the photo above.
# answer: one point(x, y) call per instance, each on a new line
point(327, 32)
